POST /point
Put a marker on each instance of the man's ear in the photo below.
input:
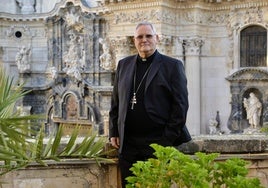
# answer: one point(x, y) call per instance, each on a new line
point(157, 37)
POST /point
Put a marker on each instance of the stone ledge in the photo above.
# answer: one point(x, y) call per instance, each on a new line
point(231, 143)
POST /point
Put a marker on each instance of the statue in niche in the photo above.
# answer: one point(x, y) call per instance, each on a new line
point(71, 107)
point(106, 57)
point(253, 108)
point(22, 59)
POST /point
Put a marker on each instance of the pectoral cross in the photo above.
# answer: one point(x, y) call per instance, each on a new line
point(133, 101)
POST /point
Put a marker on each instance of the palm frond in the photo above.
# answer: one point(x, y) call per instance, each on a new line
point(18, 149)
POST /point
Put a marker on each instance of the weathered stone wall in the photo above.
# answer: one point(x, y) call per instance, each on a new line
point(87, 174)
point(67, 174)
point(204, 34)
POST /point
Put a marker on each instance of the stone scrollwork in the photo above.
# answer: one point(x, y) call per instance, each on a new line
point(134, 17)
point(19, 31)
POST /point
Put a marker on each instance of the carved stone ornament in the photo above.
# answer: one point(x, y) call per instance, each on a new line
point(73, 21)
point(193, 45)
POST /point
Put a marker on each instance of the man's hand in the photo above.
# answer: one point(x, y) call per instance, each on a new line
point(115, 142)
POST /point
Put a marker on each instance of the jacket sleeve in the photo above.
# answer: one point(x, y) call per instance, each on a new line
point(176, 125)
point(113, 113)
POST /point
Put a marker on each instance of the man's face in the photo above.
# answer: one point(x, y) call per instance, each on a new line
point(145, 40)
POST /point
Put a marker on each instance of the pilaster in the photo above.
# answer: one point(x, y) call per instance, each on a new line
point(192, 48)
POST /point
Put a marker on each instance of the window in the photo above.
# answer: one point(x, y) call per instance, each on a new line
point(253, 47)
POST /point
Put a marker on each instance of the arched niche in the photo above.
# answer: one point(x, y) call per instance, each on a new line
point(243, 82)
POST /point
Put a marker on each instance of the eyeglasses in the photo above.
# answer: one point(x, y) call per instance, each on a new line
point(140, 37)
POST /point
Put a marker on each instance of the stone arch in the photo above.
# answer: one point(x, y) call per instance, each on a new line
point(70, 106)
point(242, 82)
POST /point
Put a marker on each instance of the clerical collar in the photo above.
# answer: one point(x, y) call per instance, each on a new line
point(150, 58)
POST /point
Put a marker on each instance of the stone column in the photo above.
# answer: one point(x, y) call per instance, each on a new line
point(120, 48)
point(178, 48)
point(192, 48)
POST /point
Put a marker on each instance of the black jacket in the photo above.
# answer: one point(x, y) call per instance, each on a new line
point(165, 97)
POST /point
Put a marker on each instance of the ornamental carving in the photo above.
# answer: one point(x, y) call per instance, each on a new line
point(134, 17)
point(237, 19)
point(217, 18)
point(73, 20)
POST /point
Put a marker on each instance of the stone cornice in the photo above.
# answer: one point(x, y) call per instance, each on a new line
point(249, 74)
point(212, 5)
point(44, 16)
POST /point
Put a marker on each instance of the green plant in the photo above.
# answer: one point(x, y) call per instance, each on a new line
point(18, 149)
point(172, 168)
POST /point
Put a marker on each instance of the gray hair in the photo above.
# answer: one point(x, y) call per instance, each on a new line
point(145, 23)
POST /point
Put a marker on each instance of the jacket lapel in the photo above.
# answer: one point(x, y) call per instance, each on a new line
point(129, 75)
point(155, 67)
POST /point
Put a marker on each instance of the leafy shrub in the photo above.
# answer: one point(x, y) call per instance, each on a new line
point(173, 169)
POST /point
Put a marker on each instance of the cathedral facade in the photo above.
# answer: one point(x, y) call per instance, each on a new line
point(66, 53)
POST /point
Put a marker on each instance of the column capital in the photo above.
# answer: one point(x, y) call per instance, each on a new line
point(165, 43)
point(121, 44)
point(192, 45)
point(121, 47)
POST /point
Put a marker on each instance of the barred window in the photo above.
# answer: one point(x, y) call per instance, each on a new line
point(253, 47)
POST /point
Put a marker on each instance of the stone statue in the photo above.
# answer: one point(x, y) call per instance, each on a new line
point(106, 57)
point(253, 108)
point(22, 59)
point(213, 124)
point(53, 72)
point(72, 58)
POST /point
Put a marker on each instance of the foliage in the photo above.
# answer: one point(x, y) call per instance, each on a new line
point(18, 149)
point(172, 168)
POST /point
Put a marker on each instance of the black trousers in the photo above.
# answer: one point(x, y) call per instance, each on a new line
point(131, 154)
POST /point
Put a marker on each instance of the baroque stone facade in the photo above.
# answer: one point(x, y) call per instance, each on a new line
point(74, 45)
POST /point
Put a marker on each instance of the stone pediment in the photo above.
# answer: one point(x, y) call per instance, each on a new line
point(249, 74)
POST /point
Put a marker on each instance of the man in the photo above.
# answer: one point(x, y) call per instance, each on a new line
point(149, 101)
